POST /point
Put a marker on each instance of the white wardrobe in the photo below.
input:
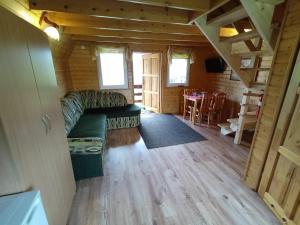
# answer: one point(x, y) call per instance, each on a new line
point(33, 146)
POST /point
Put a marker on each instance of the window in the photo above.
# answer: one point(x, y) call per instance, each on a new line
point(112, 68)
point(179, 70)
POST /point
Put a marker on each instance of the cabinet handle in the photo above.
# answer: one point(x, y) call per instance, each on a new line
point(44, 120)
point(49, 121)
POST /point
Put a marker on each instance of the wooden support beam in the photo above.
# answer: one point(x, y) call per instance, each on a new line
point(213, 4)
point(224, 49)
point(241, 37)
point(273, 2)
point(114, 9)
point(240, 28)
point(194, 5)
point(22, 11)
point(132, 34)
point(261, 16)
point(253, 53)
point(229, 17)
point(135, 41)
point(75, 20)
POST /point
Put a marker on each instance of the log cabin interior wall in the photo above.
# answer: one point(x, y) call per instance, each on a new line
point(60, 53)
point(76, 69)
point(233, 88)
point(277, 84)
point(84, 74)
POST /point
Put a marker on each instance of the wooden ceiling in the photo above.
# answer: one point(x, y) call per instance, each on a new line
point(129, 21)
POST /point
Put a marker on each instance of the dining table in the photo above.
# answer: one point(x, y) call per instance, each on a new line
point(195, 98)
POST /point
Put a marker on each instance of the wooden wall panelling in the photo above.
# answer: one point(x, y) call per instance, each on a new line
point(61, 51)
point(280, 185)
point(84, 71)
point(84, 75)
point(277, 83)
point(281, 128)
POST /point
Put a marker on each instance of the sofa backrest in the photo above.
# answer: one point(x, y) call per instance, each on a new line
point(74, 104)
point(72, 109)
point(92, 99)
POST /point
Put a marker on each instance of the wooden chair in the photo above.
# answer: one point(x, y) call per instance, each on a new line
point(188, 105)
point(204, 109)
point(218, 104)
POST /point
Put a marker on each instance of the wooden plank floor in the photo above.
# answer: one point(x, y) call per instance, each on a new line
point(192, 184)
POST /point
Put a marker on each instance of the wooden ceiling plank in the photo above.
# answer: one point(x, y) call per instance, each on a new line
point(229, 17)
point(135, 41)
point(75, 20)
point(132, 34)
point(114, 9)
point(194, 5)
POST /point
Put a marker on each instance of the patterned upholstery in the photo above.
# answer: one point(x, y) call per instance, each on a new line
point(123, 122)
point(87, 151)
point(74, 105)
point(72, 109)
point(102, 99)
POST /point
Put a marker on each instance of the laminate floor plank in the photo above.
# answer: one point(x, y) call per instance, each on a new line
point(196, 183)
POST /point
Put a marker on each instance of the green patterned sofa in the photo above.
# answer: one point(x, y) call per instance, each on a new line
point(88, 114)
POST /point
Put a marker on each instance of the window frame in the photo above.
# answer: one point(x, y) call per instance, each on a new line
point(100, 75)
point(186, 84)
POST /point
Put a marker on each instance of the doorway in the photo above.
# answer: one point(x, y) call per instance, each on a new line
point(146, 80)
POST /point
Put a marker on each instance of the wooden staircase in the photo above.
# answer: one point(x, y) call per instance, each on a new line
point(247, 119)
point(251, 20)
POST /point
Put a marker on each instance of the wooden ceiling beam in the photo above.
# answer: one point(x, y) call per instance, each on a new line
point(195, 5)
point(114, 9)
point(213, 5)
point(135, 41)
point(75, 20)
point(132, 34)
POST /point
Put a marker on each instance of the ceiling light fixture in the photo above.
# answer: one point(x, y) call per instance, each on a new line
point(51, 29)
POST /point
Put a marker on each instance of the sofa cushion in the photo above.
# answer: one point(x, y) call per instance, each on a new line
point(72, 109)
point(102, 99)
point(116, 112)
point(89, 125)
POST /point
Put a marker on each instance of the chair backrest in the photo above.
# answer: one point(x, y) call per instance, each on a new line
point(206, 103)
point(191, 91)
point(219, 101)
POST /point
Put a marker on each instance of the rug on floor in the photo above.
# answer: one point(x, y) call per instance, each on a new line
point(160, 130)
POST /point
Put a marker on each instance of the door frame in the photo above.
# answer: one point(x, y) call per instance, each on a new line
point(160, 72)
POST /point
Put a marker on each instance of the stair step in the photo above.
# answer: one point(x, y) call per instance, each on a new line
point(256, 69)
point(258, 84)
point(253, 53)
point(224, 125)
point(241, 37)
point(233, 120)
point(225, 128)
point(229, 17)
